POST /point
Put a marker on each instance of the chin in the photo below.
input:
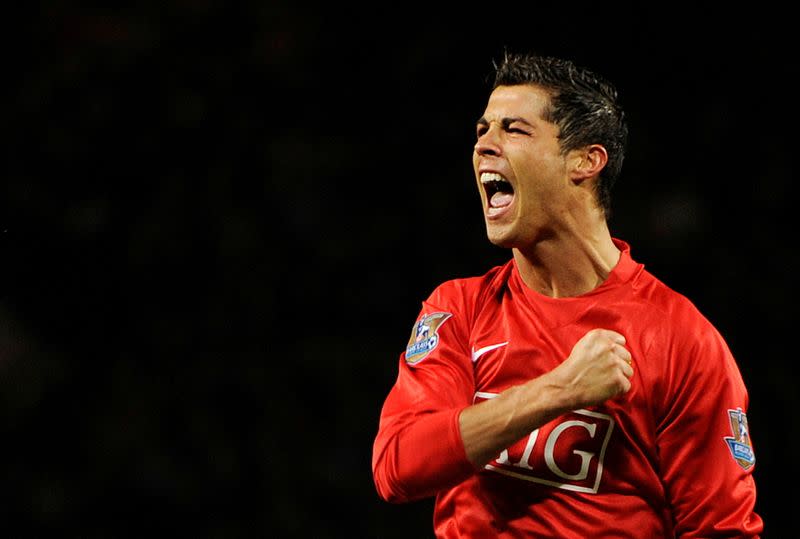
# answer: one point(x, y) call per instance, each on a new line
point(500, 240)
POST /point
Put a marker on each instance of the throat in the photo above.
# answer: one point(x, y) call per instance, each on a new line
point(560, 272)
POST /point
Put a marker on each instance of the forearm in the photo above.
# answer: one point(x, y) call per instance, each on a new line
point(493, 425)
point(435, 451)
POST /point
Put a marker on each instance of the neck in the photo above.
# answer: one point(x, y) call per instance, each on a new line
point(568, 265)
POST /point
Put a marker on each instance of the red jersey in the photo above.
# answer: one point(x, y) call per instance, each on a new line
point(672, 457)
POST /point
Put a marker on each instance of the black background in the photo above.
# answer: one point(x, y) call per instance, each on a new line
point(219, 220)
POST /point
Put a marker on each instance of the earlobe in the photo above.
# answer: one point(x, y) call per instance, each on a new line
point(588, 162)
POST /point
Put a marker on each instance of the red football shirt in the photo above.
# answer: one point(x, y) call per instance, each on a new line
point(672, 457)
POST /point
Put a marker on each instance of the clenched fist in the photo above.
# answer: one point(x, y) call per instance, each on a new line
point(598, 368)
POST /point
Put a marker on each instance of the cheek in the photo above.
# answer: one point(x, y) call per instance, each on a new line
point(541, 188)
point(540, 170)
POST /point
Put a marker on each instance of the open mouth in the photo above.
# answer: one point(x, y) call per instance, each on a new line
point(499, 191)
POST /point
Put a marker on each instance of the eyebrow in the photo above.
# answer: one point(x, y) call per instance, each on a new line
point(505, 122)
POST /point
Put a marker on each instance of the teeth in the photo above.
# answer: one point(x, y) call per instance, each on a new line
point(487, 177)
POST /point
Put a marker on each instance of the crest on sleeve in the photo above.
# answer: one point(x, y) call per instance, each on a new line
point(739, 443)
point(424, 337)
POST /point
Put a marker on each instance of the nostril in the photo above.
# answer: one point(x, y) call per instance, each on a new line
point(483, 149)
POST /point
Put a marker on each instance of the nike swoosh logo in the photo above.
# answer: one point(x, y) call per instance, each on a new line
point(480, 351)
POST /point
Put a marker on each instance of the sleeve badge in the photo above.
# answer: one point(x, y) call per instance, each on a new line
point(739, 443)
point(424, 337)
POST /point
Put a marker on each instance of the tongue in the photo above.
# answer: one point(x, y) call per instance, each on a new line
point(501, 200)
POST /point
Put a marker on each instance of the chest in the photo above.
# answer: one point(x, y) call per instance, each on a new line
point(512, 344)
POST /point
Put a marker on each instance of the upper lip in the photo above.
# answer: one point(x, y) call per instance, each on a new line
point(481, 170)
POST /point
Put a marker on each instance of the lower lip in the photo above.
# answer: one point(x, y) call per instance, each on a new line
point(497, 213)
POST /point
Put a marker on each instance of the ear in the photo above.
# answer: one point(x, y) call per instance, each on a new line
point(587, 162)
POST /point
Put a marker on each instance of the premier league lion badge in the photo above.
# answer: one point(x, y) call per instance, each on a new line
point(739, 443)
point(424, 337)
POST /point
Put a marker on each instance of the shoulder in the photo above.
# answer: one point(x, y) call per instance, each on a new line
point(677, 324)
point(649, 291)
point(666, 300)
point(472, 289)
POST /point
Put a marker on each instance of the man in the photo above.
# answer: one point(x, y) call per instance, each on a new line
point(568, 392)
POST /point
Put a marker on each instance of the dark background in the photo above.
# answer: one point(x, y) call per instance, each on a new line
point(218, 221)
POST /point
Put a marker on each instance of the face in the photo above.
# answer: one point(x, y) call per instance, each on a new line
point(521, 173)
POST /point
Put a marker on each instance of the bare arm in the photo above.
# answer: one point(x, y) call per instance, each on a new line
point(597, 369)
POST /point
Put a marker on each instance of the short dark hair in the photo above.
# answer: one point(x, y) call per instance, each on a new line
point(584, 106)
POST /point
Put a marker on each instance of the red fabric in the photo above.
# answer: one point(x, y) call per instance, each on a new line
point(656, 462)
point(423, 457)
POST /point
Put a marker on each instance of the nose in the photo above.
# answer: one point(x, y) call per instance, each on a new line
point(488, 143)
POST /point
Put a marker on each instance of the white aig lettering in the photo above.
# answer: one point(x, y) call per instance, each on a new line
point(571, 457)
point(586, 456)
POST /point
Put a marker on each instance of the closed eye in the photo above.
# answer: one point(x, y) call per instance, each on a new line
point(483, 126)
point(512, 125)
